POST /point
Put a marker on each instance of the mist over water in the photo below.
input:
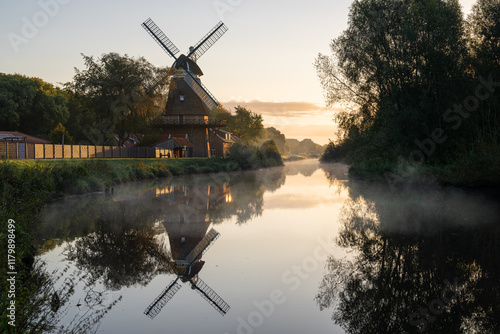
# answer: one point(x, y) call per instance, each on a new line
point(301, 248)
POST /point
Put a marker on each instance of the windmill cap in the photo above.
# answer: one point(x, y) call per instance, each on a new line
point(188, 64)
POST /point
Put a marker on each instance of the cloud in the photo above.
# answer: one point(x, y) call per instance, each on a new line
point(297, 120)
point(278, 109)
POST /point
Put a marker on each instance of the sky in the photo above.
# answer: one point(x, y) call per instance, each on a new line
point(264, 62)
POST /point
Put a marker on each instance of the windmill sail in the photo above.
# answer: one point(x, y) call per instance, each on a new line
point(153, 83)
point(190, 275)
point(155, 307)
point(160, 37)
point(211, 296)
point(200, 90)
point(207, 41)
point(202, 246)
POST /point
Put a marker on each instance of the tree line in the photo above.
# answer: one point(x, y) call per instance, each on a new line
point(248, 126)
point(418, 84)
point(113, 97)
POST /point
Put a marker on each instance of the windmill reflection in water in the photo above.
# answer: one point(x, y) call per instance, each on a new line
point(187, 270)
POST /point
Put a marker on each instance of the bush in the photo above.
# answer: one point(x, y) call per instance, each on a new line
point(252, 157)
point(332, 153)
point(272, 156)
point(244, 156)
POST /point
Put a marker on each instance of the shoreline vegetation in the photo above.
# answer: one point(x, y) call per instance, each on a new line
point(26, 186)
point(475, 172)
point(418, 83)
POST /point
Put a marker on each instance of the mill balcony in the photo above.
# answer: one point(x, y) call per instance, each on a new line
point(166, 122)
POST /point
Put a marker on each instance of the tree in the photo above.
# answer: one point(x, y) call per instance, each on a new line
point(397, 68)
point(79, 118)
point(60, 132)
point(244, 123)
point(484, 35)
point(306, 146)
point(278, 138)
point(221, 114)
point(124, 95)
point(484, 45)
point(31, 105)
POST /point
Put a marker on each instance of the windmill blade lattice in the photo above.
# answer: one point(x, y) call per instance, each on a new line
point(207, 41)
point(156, 306)
point(200, 90)
point(202, 246)
point(160, 37)
point(211, 296)
point(153, 83)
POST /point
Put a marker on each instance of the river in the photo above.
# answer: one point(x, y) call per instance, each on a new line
point(293, 249)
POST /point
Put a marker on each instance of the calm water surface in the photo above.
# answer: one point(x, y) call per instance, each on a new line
point(295, 249)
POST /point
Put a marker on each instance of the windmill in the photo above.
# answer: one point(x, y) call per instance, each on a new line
point(187, 270)
point(189, 102)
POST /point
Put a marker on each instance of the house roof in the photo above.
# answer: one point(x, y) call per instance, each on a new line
point(132, 139)
point(174, 142)
point(224, 140)
point(183, 142)
point(237, 139)
point(221, 135)
point(21, 137)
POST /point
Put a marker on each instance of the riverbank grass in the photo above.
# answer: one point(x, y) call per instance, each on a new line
point(82, 176)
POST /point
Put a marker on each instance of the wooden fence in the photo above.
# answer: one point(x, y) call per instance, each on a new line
point(9, 150)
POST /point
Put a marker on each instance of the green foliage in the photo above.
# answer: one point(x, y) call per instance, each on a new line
point(305, 146)
point(56, 136)
point(272, 156)
point(333, 153)
point(402, 70)
point(31, 105)
point(483, 27)
point(243, 123)
point(245, 157)
point(484, 30)
point(149, 140)
point(254, 157)
point(279, 139)
point(23, 193)
point(119, 95)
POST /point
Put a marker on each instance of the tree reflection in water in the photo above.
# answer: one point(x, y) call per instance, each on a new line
point(120, 239)
point(119, 258)
point(424, 260)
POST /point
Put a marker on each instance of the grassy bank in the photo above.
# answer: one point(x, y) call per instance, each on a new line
point(83, 176)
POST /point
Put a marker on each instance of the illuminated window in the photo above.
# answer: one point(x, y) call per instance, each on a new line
point(182, 97)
